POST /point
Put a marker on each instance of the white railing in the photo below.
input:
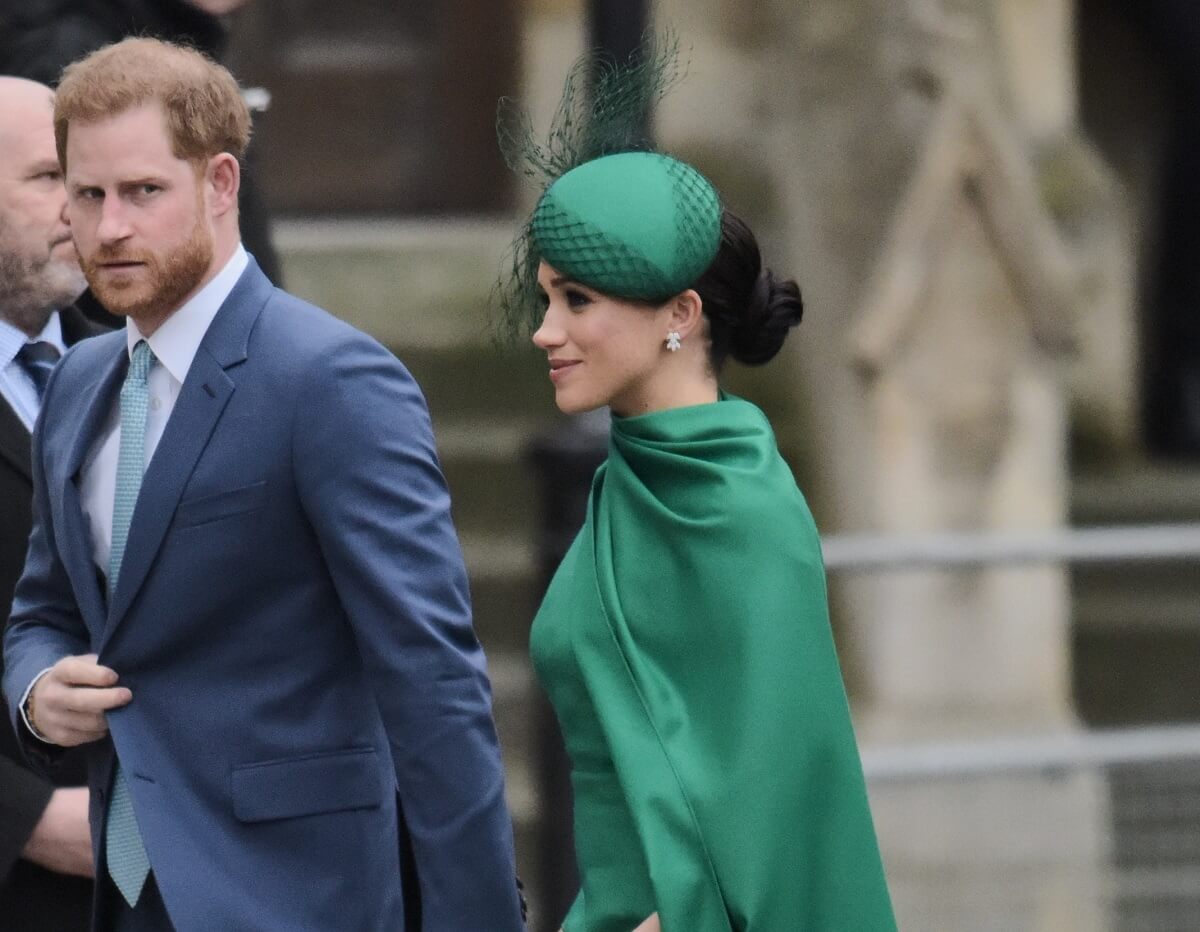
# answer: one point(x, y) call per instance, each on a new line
point(1059, 751)
point(856, 553)
point(1135, 867)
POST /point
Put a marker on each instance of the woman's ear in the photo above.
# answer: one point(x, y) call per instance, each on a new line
point(687, 312)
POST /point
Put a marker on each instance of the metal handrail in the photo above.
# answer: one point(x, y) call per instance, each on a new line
point(851, 553)
point(1061, 751)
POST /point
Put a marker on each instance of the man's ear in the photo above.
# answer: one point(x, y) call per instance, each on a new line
point(687, 313)
point(224, 177)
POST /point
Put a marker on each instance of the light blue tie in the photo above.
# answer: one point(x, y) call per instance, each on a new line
point(128, 864)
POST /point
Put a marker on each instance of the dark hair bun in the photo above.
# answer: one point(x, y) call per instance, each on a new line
point(774, 308)
point(749, 310)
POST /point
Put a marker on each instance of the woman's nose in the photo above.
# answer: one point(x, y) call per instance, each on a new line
point(547, 336)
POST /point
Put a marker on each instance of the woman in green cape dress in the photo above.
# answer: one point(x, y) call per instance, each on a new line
point(684, 641)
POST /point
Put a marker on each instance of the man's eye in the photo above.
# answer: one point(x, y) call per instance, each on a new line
point(148, 189)
point(543, 300)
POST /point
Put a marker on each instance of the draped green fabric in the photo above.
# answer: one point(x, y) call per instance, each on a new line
point(685, 645)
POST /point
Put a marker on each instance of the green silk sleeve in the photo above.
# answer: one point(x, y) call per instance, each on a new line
point(716, 683)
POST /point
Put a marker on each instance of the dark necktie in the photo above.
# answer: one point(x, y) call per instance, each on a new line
point(38, 360)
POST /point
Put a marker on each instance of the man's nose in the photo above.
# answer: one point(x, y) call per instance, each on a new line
point(114, 224)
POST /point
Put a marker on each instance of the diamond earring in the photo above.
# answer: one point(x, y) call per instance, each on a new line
point(674, 341)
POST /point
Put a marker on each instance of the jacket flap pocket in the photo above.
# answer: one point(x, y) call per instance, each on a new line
point(299, 786)
point(208, 508)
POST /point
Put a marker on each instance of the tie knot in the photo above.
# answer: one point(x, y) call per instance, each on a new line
point(140, 362)
point(39, 353)
point(38, 359)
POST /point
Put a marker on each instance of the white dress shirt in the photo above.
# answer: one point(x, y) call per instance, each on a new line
point(174, 345)
point(16, 385)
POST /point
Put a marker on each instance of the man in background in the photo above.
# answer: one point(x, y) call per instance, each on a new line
point(45, 845)
point(38, 38)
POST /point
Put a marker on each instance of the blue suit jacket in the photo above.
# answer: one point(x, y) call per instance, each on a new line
point(293, 620)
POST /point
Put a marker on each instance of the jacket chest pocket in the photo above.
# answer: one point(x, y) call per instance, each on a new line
point(205, 509)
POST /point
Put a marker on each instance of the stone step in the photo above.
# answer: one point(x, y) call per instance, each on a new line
point(493, 495)
point(1134, 675)
point(503, 606)
point(1136, 494)
point(1133, 608)
point(517, 723)
point(409, 283)
point(482, 383)
point(1137, 626)
point(512, 694)
point(1169, 581)
point(1145, 597)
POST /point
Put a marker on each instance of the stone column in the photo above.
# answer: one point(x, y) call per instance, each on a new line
point(910, 250)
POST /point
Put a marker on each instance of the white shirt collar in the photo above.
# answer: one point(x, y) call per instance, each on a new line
point(12, 339)
point(177, 339)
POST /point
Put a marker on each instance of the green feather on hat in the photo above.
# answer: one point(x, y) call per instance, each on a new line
point(614, 214)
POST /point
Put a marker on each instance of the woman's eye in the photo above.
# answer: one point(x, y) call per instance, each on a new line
point(543, 300)
point(577, 298)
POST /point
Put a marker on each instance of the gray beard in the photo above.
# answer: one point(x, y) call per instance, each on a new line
point(29, 294)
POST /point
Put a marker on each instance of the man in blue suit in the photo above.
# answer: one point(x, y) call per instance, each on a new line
point(243, 592)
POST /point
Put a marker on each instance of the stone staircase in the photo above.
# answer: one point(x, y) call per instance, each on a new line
point(421, 289)
point(1137, 644)
point(1137, 627)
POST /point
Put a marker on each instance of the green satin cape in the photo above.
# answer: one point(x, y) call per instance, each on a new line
point(686, 647)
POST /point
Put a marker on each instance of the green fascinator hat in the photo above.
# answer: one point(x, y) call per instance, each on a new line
point(637, 225)
point(613, 214)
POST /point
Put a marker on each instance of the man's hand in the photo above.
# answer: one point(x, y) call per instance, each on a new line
point(62, 841)
point(217, 7)
point(68, 703)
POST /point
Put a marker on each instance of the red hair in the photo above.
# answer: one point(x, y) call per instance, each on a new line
point(201, 100)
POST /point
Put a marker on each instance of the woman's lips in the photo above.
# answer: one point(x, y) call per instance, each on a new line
point(559, 368)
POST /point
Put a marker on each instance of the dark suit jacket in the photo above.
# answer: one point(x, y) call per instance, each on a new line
point(31, 898)
point(293, 620)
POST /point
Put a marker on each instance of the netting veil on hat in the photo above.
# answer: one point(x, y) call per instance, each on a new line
point(614, 214)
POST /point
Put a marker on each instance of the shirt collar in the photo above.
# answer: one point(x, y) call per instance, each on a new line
point(12, 339)
point(177, 339)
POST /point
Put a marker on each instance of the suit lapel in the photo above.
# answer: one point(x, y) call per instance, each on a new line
point(14, 440)
point(202, 399)
point(95, 403)
point(75, 535)
point(197, 410)
point(76, 327)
